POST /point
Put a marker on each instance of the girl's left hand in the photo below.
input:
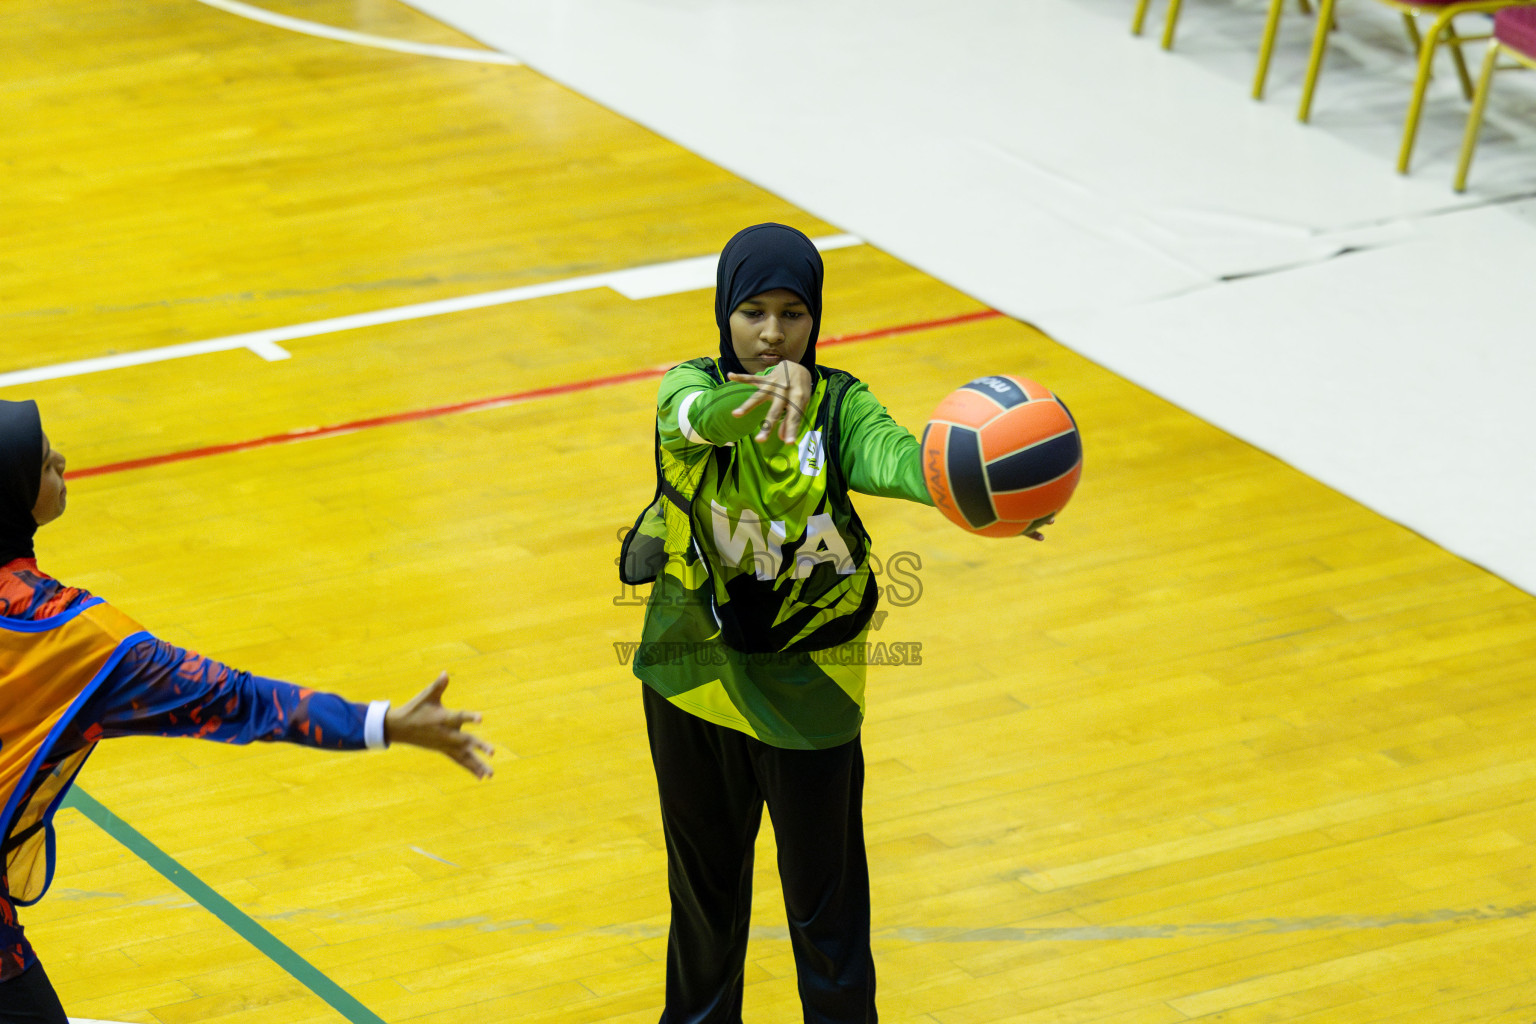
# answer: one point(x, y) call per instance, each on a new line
point(789, 386)
point(1033, 532)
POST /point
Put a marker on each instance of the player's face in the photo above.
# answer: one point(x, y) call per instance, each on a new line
point(769, 329)
point(51, 492)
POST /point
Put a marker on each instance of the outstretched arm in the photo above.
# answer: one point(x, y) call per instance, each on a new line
point(879, 455)
point(159, 689)
point(694, 409)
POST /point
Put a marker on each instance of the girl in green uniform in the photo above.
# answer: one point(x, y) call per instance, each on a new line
point(752, 652)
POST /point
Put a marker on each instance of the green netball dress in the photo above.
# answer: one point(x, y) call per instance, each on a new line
point(759, 618)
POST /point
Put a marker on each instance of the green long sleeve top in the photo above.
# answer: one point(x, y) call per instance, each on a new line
point(770, 497)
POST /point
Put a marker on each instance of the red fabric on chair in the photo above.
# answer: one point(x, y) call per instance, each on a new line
point(1515, 27)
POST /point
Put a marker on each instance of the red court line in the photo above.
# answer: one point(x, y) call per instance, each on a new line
point(313, 433)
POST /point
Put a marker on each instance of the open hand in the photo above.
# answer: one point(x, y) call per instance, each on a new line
point(788, 385)
point(424, 722)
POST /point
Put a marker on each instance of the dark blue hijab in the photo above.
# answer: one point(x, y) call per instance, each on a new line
point(757, 260)
point(21, 474)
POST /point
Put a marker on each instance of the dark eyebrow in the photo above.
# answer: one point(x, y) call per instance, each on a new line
point(788, 305)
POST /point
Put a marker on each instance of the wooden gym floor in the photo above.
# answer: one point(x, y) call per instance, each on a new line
point(1227, 747)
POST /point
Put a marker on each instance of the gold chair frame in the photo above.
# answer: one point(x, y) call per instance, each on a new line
point(1442, 30)
point(1266, 44)
point(1480, 100)
point(1139, 20)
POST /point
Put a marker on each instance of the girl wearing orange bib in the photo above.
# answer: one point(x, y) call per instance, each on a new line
point(75, 671)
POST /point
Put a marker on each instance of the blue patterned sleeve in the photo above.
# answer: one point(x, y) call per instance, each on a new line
point(158, 689)
point(161, 690)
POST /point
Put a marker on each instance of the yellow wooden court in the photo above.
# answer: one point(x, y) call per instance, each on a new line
point(1226, 747)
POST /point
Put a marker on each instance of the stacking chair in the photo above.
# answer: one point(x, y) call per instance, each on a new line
point(1139, 20)
point(1442, 30)
point(1514, 33)
point(1266, 44)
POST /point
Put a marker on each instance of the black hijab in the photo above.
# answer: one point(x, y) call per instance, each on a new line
point(757, 260)
point(21, 474)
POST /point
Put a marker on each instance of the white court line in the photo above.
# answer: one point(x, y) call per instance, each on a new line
point(635, 283)
point(312, 28)
point(264, 348)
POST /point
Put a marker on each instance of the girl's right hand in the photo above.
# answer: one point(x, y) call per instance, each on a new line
point(424, 722)
point(788, 385)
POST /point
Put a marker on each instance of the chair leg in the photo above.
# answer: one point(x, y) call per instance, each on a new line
point(1172, 23)
point(1460, 59)
point(1306, 8)
point(1139, 19)
point(1475, 118)
point(1414, 39)
point(1315, 63)
point(1267, 47)
point(1420, 84)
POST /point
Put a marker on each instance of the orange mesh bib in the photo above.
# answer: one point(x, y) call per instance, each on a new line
point(48, 669)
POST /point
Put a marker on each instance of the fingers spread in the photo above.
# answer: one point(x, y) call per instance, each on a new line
point(467, 755)
point(757, 398)
point(775, 411)
point(790, 428)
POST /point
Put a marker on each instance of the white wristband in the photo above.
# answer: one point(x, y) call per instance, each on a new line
point(373, 725)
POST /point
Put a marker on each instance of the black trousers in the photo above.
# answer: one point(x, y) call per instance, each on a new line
point(714, 783)
point(29, 998)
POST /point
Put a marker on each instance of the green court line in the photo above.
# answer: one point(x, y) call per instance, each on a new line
point(302, 970)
